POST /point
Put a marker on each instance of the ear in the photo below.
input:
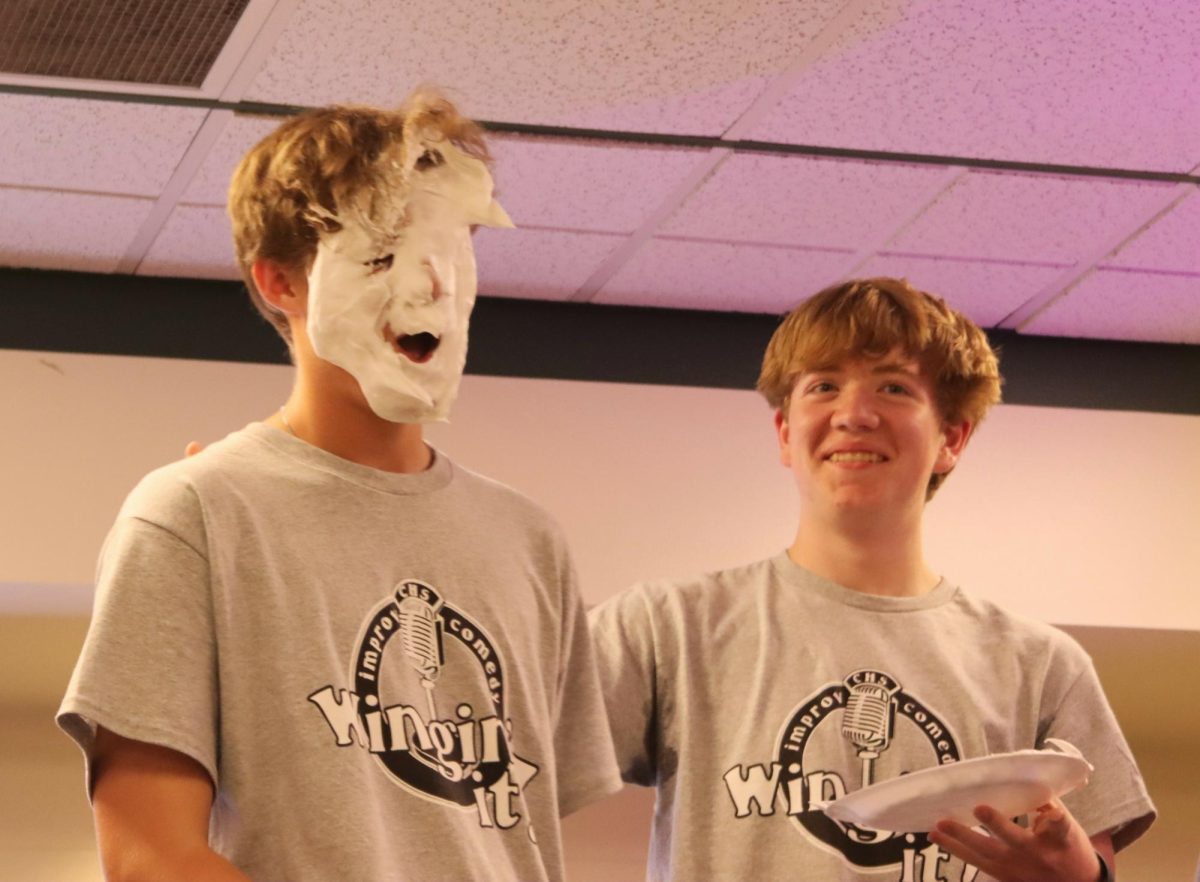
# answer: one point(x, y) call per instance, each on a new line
point(284, 288)
point(954, 442)
point(783, 433)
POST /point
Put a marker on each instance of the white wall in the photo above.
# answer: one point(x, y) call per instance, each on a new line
point(1076, 517)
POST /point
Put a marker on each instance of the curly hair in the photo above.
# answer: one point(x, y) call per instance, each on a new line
point(872, 317)
point(288, 188)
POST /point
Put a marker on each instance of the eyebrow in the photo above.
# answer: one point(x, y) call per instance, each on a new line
point(897, 367)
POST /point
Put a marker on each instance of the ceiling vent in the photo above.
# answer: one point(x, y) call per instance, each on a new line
point(160, 42)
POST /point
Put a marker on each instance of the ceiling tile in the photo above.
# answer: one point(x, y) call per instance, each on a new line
point(194, 243)
point(586, 185)
point(1029, 217)
point(723, 277)
point(69, 231)
point(1126, 305)
point(1171, 243)
point(92, 146)
point(538, 264)
point(983, 291)
point(210, 186)
point(641, 65)
point(1107, 83)
point(800, 201)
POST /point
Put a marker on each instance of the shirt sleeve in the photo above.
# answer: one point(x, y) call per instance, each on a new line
point(147, 670)
point(1115, 797)
point(586, 767)
point(623, 634)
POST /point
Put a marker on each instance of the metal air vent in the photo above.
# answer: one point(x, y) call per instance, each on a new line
point(161, 42)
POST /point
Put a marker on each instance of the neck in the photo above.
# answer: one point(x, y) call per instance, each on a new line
point(344, 425)
point(873, 558)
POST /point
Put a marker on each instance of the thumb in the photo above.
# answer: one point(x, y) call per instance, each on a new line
point(193, 448)
point(1052, 823)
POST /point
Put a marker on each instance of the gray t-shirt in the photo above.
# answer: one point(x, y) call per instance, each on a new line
point(747, 696)
point(387, 676)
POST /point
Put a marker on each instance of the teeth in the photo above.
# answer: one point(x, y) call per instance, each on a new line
point(855, 456)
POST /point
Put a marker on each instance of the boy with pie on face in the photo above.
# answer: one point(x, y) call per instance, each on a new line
point(320, 649)
point(752, 697)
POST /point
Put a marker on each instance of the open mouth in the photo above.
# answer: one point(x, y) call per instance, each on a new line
point(418, 348)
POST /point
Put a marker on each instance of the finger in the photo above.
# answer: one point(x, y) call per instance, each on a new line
point(193, 447)
point(1001, 827)
point(970, 845)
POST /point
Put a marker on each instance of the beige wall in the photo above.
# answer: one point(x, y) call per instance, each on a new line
point(1086, 519)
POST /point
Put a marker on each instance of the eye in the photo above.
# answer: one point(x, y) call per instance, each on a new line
point(429, 159)
point(895, 389)
point(380, 264)
point(820, 387)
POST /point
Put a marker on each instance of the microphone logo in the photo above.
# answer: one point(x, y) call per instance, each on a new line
point(421, 637)
point(869, 717)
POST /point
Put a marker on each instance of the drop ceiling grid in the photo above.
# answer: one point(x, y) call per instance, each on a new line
point(800, 201)
point(210, 185)
point(580, 185)
point(1110, 83)
point(1171, 243)
point(1028, 218)
point(92, 146)
point(985, 291)
point(657, 66)
point(538, 264)
point(720, 276)
point(1126, 305)
point(73, 231)
point(195, 242)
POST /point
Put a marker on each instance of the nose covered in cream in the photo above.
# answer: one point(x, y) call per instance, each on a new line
point(392, 306)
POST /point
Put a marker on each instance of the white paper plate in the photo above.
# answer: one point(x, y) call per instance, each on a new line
point(1011, 783)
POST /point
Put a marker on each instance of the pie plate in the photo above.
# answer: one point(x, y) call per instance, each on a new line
point(1011, 783)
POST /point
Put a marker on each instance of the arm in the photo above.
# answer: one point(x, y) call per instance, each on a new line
point(152, 808)
point(1054, 848)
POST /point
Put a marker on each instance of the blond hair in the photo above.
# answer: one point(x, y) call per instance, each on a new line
point(872, 317)
point(288, 188)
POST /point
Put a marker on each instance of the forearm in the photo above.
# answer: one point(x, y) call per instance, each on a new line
point(128, 860)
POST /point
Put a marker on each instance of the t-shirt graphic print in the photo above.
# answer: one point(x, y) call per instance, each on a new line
point(844, 736)
point(427, 701)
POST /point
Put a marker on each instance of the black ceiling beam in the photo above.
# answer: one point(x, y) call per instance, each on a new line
point(213, 320)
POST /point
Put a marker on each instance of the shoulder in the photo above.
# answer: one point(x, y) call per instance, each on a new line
point(502, 504)
point(173, 496)
point(696, 601)
point(1024, 637)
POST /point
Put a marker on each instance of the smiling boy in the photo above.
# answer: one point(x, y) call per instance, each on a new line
point(751, 697)
point(320, 649)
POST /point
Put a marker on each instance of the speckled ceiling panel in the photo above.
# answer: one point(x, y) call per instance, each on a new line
point(585, 185)
point(69, 231)
point(93, 146)
point(1171, 243)
point(1029, 217)
point(1104, 82)
point(194, 243)
point(1126, 305)
point(538, 264)
point(649, 65)
point(722, 277)
point(796, 200)
point(210, 186)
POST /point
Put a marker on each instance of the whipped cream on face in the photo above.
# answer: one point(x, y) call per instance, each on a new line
point(391, 302)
